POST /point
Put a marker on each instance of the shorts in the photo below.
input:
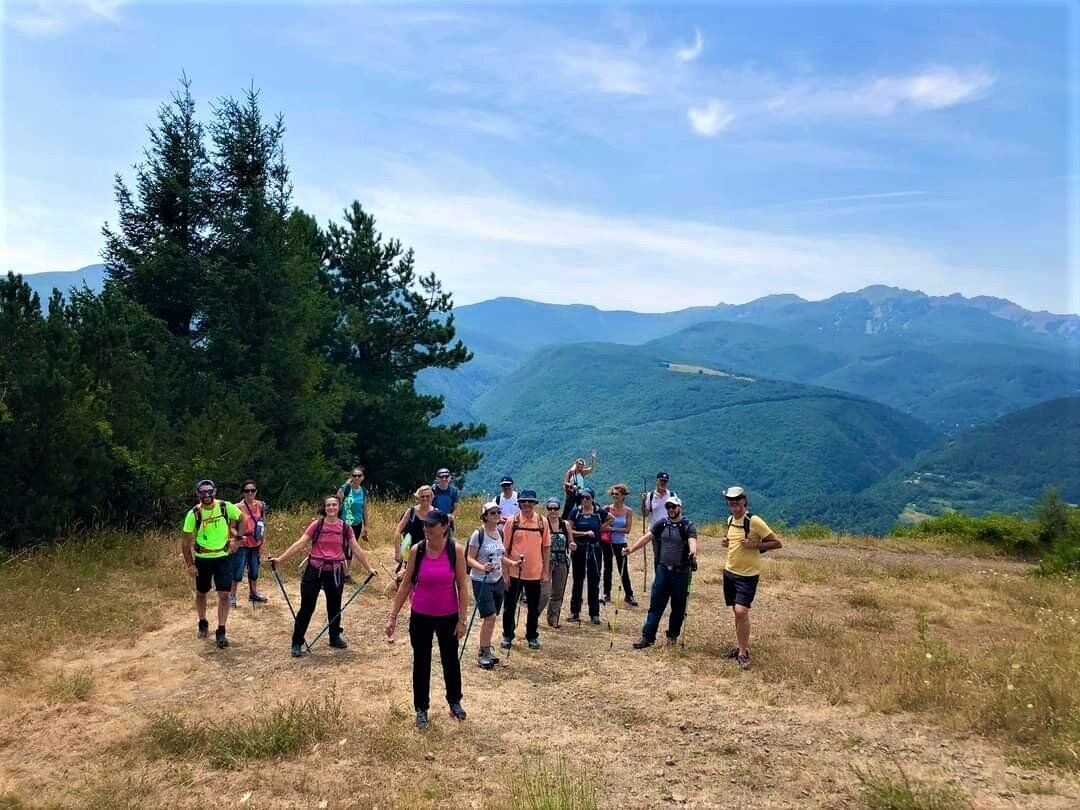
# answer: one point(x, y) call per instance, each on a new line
point(245, 557)
point(218, 569)
point(488, 596)
point(739, 590)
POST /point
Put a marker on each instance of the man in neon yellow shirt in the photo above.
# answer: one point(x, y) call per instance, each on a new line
point(746, 537)
point(211, 532)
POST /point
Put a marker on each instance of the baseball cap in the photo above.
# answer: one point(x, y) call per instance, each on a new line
point(588, 491)
point(675, 500)
point(506, 479)
point(442, 471)
point(734, 492)
point(487, 507)
point(553, 502)
point(527, 495)
point(662, 476)
point(436, 517)
point(206, 482)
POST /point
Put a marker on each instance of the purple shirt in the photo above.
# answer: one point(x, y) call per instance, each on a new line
point(434, 593)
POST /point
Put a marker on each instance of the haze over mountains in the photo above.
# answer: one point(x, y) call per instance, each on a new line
point(853, 410)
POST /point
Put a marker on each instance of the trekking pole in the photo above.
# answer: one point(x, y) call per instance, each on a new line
point(517, 613)
point(475, 610)
point(645, 548)
point(355, 594)
point(686, 608)
point(273, 567)
point(613, 624)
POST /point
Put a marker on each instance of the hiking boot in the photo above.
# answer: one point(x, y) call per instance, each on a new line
point(421, 720)
point(257, 597)
point(605, 599)
point(298, 651)
point(630, 600)
point(339, 643)
point(219, 637)
point(642, 643)
point(232, 600)
point(491, 654)
point(744, 661)
point(484, 660)
point(671, 642)
point(534, 644)
point(457, 711)
point(594, 619)
point(733, 653)
point(506, 643)
point(204, 628)
point(574, 617)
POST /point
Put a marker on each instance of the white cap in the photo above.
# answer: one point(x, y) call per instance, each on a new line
point(734, 492)
point(488, 507)
point(673, 499)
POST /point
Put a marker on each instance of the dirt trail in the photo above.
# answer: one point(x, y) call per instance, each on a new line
point(662, 727)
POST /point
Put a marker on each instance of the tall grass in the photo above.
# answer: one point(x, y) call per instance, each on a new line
point(885, 792)
point(540, 784)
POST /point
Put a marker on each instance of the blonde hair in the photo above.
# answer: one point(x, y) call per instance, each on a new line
point(422, 489)
point(622, 489)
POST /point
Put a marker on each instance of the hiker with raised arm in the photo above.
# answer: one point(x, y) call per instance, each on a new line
point(586, 523)
point(435, 578)
point(485, 553)
point(526, 535)
point(674, 541)
point(325, 540)
point(551, 594)
point(211, 528)
point(252, 536)
point(574, 482)
point(747, 536)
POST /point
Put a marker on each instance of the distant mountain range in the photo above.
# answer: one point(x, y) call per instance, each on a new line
point(93, 276)
point(857, 410)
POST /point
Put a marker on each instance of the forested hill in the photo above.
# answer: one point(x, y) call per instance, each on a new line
point(788, 443)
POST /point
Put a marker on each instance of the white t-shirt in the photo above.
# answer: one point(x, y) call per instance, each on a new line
point(657, 501)
point(508, 505)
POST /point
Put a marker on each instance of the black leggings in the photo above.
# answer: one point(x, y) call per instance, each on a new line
point(313, 582)
point(613, 558)
point(531, 589)
point(421, 630)
point(585, 562)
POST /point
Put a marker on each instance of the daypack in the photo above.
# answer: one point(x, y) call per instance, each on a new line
point(421, 549)
point(684, 533)
point(345, 550)
point(197, 511)
point(515, 524)
point(745, 527)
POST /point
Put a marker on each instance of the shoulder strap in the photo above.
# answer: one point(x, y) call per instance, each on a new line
point(498, 498)
point(746, 524)
point(318, 530)
point(420, 547)
point(197, 511)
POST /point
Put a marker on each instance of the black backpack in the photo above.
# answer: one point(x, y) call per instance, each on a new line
point(684, 533)
point(197, 511)
point(515, 525)
point(745, 527)
point(421, 549)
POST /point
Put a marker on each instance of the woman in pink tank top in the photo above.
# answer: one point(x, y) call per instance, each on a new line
point(435, 577)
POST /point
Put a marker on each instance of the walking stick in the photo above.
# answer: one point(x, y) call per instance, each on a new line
point(273, 567)
point(613, 624)
point(686, 608)
point(475, 610)
point(517, 613)
point(645, 548)
point(355, 594)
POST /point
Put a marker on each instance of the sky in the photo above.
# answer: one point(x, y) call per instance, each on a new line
point(630, 156)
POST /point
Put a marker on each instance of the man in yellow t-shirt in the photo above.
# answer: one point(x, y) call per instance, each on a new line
point(746, 537)
point(211, 531)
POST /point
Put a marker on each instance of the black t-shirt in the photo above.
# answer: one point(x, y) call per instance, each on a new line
point(668, 541)
point(415, 527)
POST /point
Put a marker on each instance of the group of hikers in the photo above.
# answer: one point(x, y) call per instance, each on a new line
point(518, 556)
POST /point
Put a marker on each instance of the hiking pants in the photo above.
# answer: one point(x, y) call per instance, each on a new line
point(586, 565)
point(531, 587)
point(621, 564)
point(314, 581)
point(421, 629)
point(668, 584)
point(551, 595)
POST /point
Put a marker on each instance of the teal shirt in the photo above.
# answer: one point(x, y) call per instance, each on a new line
point(352, 508)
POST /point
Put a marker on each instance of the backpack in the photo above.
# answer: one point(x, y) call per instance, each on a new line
point(421, 549)
point(515, 524)
point(258, 531)
point(344, 536)
point(684, 533)
point(745, 527)
point(196, 510)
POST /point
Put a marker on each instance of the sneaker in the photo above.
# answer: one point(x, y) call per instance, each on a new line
point(506, 643)
point(484, 659)
point(339, 643)
point(204, 628)
point(594, 619)
point(491, 654)
point(574, 617)
point(232, 600)
point(630, 600)
point(605, 599)
point(421, 720)
point(642, 643)
point(733, 653)
point(257, 597)
point(298, 651)
point(744, 661)
point(457, 711)
point(219, 636)
point(534, 644)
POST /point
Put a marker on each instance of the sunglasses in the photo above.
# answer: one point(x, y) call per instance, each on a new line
point(586, 497)
point(444, 476)
point(672, 507)
point(357, 475)
point(206, 493)
point(555, 508)
point(250, 489)
point(491, 512)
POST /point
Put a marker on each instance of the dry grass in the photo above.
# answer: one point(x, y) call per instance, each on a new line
point(539, 784)
point(882, 791)
point(73, 687)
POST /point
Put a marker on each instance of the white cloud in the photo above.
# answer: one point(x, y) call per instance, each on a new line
point(689, 53)
point(51, 17)
point(712, 119)
point(932, 89)
point(604, 72)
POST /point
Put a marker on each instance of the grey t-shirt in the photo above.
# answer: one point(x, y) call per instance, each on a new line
point(489, 548)
point(670, 540)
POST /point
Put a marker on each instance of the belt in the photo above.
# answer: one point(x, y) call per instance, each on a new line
point(674, 568)
point(325, 565)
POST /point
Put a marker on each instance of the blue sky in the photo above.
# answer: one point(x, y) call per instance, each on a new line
point(640, 156)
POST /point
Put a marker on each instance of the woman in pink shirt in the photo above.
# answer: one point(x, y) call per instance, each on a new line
point(435, 577)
